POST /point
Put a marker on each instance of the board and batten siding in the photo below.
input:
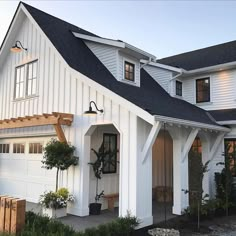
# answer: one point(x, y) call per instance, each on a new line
point(223, 90)
point(62, 89)
point(108, 55)
point(161, 76)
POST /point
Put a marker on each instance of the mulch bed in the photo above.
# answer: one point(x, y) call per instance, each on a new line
point(188, 227)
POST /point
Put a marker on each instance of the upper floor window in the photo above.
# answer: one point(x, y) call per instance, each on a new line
point(129, 71)
point(26, 80)
point(203, 90)
point(178, 88)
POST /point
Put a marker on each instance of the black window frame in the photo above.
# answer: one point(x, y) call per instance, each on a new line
point(203, 90)
point(112, 169)
point(178, 88)
point(131, 74)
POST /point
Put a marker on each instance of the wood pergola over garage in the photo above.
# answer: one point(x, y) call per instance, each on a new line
point(56, 119)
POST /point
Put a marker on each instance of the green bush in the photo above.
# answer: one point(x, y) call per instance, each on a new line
point(43, 226)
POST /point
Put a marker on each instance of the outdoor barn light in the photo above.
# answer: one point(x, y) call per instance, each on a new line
point(90, 112)
point(17, 48)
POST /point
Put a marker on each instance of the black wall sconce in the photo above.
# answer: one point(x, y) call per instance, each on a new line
point(18, 47)
point(90, 112)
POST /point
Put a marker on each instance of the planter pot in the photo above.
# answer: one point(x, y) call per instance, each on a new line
point(54, 213)
point(95, 208)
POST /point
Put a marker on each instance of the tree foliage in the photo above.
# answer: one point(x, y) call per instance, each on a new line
point(58, 155)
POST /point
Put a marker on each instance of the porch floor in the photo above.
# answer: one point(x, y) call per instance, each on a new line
point(81, 223)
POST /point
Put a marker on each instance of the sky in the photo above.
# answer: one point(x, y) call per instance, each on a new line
point(162, 28)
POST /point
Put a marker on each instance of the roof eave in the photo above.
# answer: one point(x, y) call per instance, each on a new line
point(215, 68)
point(190, 123)
point(163, 66)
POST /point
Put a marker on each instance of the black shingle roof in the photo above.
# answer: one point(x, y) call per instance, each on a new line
point(150, 96)
point(224, 114)
point(210, 56)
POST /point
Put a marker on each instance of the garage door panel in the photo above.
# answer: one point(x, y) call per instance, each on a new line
point(34, 168)
point(14, 167)
point(12, 187)
point(22, 175)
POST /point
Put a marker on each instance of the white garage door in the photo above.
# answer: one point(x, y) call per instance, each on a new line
point(21, 172)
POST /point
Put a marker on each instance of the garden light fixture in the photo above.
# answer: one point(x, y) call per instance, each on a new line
point(90, 112)
point(18, 47)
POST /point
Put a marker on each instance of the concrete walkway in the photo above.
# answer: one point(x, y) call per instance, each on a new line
point(81, 223)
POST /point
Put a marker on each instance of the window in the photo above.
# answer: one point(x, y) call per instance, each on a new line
point(129, 71)
point(26, 80)
point(18, 148)
point(35, 148)
point(110, 160)
point(178, 88)
point(4, 148)
point(230, 153)
point(203, 90)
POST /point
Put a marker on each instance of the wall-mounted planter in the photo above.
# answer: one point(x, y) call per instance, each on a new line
point(54, 213)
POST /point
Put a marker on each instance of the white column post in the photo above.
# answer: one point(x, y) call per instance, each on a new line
point(180, 178)
point(83, 200)
point(205, 158)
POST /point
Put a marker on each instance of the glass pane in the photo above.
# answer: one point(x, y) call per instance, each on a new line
point(31, 148)
point(22, 74)
point(17, 75)
point(21, 90)
point(34, 69)
point(22, 148)
point(33, 87)
point(29, 87)
point(40, 150)
point(8, 147)
point(0, 148)
point(14, 148)
point(30, 72)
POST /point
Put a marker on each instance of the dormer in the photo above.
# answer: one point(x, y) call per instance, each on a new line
point(120, 58)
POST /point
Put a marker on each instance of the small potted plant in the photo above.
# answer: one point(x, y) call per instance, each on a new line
point(97, 166)
point(54, 203)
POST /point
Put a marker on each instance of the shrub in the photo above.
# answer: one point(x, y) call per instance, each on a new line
point(37, 225)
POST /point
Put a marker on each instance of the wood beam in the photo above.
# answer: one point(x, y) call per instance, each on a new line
point(188, 143)
point(60, 133)
point(216, 145)
point(150, 140)
point(37, 120)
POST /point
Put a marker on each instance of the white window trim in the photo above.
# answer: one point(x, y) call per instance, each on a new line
point(25, 97)
point(123, 74)
point(195, 90)
point(176, 95)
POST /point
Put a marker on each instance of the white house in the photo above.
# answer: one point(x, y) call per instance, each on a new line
point(146, 104)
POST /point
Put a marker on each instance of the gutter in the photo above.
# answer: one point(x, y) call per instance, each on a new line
point(190, 123)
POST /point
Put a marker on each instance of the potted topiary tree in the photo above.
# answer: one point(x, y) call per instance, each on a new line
point(59, 155)
point(97, 166)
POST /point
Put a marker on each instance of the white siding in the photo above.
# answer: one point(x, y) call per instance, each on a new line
point(223, 90)
point(161, 76)
point(108, 55)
